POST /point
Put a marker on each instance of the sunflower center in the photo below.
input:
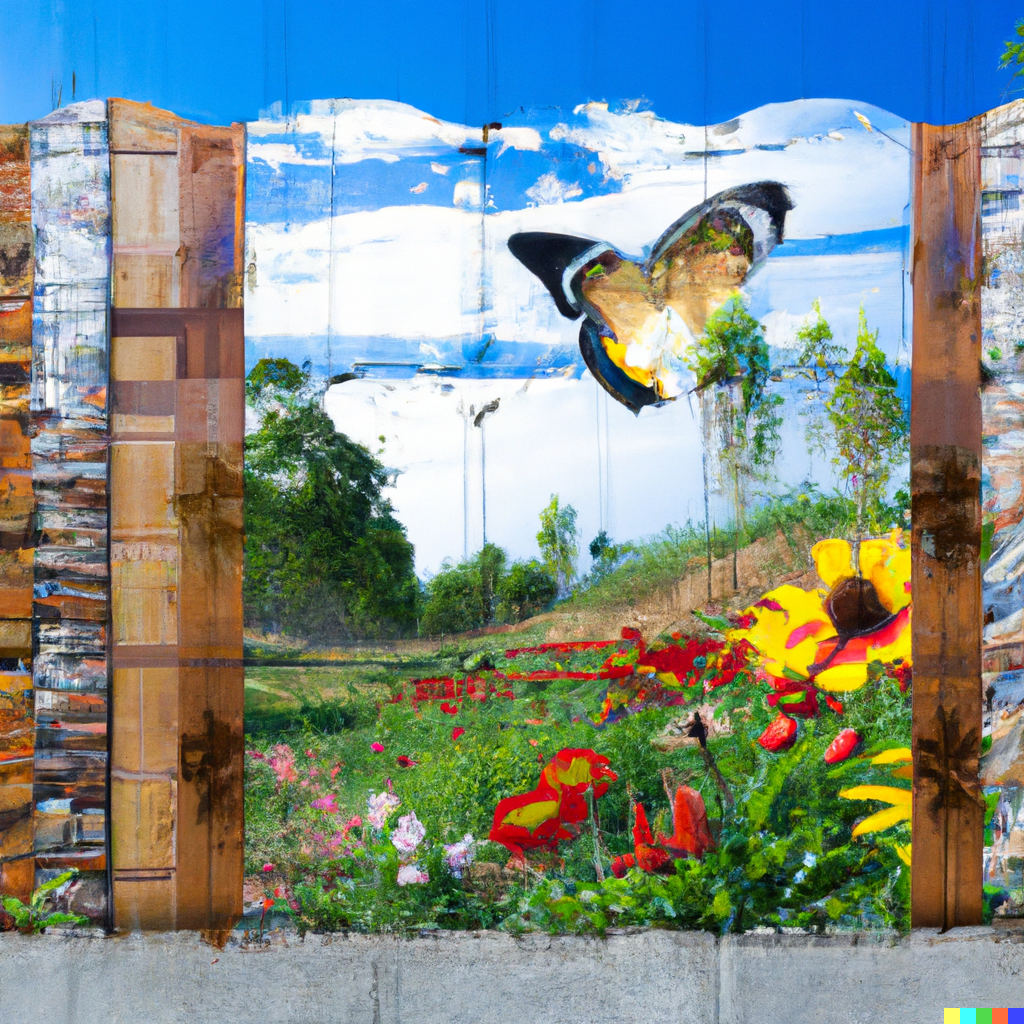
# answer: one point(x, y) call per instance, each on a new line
point(854, 607)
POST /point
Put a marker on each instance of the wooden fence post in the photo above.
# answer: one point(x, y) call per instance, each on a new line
point(178, 407)
point(948, 809)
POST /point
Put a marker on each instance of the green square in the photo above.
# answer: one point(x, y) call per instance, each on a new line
point(983, 1016)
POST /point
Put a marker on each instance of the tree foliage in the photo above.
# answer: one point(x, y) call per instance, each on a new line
point(482, 590)
point(324, 554)
point(855, 415)
point(1013, 52)
point(558, 539)
point(731, 364)
point(869, 425)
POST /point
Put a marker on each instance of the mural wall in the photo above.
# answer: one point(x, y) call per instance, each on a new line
point(596, 608)
point(1003, 420)
point(574, 516)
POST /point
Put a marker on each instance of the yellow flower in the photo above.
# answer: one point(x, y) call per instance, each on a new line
point(797, 633)
point(900, 799)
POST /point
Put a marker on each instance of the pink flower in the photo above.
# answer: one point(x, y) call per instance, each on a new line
point(377, 748)
point(406, 762)
point(334, 771)
point(310, 753)
point(268, 868)
point(410, 874)
point(458, 856)
point(408, 835)
point(282, 762)
point(255, 754)
point(379, 807)
point(326, 803)
point(354, 822)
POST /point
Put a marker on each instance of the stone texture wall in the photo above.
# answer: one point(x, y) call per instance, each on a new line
point(649, 977)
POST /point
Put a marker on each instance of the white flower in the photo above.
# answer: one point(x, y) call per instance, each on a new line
point(458, 856)
point(410, 874)
point(408, 835)
point(379, 808)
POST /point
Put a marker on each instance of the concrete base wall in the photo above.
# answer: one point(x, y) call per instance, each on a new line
point(642, 977)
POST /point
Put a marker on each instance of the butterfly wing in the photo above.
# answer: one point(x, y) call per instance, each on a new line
point(712, 249)
point(641, 316)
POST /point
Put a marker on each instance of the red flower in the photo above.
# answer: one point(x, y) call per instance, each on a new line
point(649, 858)
point(450, 709)
point(842, 746)
point(904, 675)
point(793, 697)
point(780, 734)
point(835, 705)
point(620, 865)
point(690, 832)
point(547, 814)
point(457, 732)
point(406, 762)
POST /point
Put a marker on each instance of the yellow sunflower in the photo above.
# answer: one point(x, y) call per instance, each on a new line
point(830, 637)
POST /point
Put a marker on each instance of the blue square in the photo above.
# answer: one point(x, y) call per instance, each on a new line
point(1015, 1015)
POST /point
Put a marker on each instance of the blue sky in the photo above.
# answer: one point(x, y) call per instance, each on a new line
point(411, 270)
point(476, 61)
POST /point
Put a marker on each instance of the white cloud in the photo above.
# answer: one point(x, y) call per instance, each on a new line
point(518, 138)
point(278, 153)
point(550, 189)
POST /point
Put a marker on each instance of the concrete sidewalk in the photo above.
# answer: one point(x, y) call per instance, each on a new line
point(646, 977)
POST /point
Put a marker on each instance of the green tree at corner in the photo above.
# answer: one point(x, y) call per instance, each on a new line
point(869, 427)
point(558, 539)
point(324, 554)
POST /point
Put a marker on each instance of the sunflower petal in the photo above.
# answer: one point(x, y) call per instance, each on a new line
point(904, 853)
point(891, 579)
point(842, 678)
point(881, 820)
point(833, 560)
point(887, 794)
point(895, 754)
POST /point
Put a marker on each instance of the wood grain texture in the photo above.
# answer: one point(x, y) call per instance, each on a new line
point(178, 422)
point(946, 886)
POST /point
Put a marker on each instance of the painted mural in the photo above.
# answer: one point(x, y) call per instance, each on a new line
point(1002, 765)
point(577, 592)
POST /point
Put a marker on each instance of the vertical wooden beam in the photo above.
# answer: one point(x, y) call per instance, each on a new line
point(945, 457)
point(17, 512)
point(178, 415)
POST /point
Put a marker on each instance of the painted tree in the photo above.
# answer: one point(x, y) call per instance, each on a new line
point(558, 539)
point(820, 361)
point(869, 426)
point(739, 413)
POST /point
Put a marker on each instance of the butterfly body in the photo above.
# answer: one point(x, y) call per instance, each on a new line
point(642, 315)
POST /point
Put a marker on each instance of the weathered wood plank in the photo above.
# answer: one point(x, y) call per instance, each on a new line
point(946, 537)
point(212, 168)
point(17, 508)
point(71, 222)
point(177, 387)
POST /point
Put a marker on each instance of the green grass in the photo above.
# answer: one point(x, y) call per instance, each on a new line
point(658, 562)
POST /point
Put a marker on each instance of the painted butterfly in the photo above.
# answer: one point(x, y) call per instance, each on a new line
point(640, 316)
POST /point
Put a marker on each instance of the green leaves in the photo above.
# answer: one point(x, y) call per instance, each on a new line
point(35, 917)
point(558, 540)
point(1013, 53)
point(324, 555)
